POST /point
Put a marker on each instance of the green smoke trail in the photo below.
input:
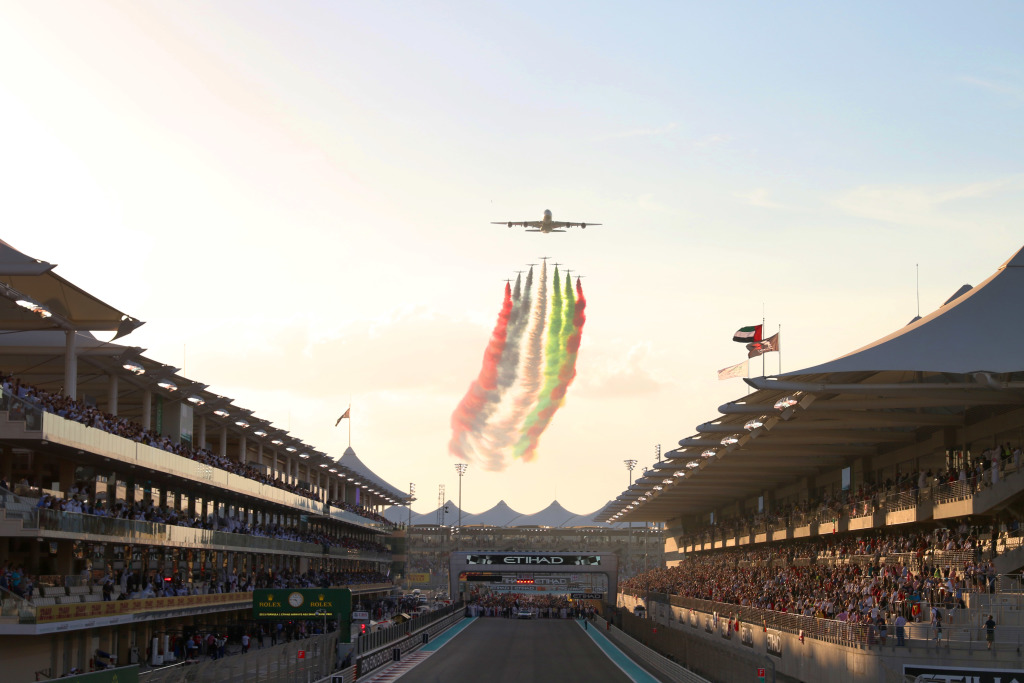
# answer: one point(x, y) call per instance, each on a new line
point(554, 357)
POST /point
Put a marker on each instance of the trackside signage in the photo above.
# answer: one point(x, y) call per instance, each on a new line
point(773, 642)
point(535, 560)
point(968, 674)
point(301, 603)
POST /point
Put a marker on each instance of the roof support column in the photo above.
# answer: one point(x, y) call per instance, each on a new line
point(259, 452)
point(202, 431)
point(70, 365)
point(147, 408)
point(224, 441)
point(112, 387)
point(242, 446)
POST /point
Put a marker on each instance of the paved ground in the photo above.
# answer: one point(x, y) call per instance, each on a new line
point(511, 651)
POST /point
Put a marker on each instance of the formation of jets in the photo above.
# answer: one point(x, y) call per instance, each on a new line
point(545, 225)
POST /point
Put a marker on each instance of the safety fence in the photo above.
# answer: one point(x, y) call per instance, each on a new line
point(301, 660)
point(961, 628)
point(412, 639)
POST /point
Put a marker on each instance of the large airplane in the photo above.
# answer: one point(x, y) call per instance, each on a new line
point(546, 225)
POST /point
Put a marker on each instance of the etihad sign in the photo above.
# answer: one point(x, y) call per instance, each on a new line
point(549, 560)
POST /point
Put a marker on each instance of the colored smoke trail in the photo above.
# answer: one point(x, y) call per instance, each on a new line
point(504, 433)
point(566, 373)
point(464, 417)
point(554, 357)
point(509, 365)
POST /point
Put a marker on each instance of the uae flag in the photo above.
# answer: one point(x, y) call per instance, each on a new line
point(745, 335)
point(764, 346)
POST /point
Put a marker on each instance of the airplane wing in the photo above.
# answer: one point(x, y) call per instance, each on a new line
point(520, 224)
point(564, 224)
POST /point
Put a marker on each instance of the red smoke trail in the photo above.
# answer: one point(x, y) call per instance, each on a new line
point(567, 373)
point(476, 396)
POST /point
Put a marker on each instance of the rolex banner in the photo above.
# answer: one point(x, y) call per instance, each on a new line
point(738, 370)
point(301, 603)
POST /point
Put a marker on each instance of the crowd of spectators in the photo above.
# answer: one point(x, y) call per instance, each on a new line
point(91, 416)
point(966, 475)
point(883, 575)
point(493, 604)
point(79, 503)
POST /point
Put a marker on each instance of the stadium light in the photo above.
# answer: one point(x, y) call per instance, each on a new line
point(304, 456)
point(753, 424)
point(291, 449)
point(324, 465)
point(693, 464)
point(242, 423)
point(277, 442)
point(196, 399)
point(167, 384)
point(133, 367)
point(333, 470)
point(668, 481)
point(730, 440)
point(32, 306)
point(709, 453)
point(260, 432)
point(220, 412)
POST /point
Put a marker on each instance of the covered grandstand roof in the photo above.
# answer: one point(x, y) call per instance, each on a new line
point(501, 515)
point(33, 297)
point(959, 362)
point(978, 331)
point(351, 461)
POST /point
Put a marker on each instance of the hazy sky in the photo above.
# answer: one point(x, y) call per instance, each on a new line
point(300, 193)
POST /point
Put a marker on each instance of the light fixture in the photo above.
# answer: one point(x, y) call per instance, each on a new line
point(196, 399)
point(324, 465)
point(32, 306)
point(260, 432)
point(668, 481)
point(363, 485)
point(679, 473)
point(291, 449)
point(658, 488)
point(277, 442)
point(220, 412)
point(133, 367)
point(242, 423)
point(333, 470)
point(730, 440)
point(709, 453)
point(350, 479)
point(167, 384)
point(692, 465)
point(788, 401)
point(304, 456)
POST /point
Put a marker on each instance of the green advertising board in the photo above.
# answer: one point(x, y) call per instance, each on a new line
point(124, 674)
point(301, 603)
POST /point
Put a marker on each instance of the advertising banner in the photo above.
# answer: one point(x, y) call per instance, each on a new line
point(419, 577)
point(301, 603)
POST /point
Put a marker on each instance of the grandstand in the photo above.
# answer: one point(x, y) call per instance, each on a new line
point(855, 520)
point(139, 509)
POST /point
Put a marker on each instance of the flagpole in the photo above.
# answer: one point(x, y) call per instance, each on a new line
point(762, 337)
point(349, 422)
point(779, 333)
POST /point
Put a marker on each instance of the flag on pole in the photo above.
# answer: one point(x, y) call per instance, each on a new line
point(745, 335)
point(738, 370)
point(346, 414)
point(764, 346)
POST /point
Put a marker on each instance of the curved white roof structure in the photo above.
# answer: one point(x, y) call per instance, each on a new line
point(501, 515)
point(978, 331)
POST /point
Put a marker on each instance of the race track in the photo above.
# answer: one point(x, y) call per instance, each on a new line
point(511, 651)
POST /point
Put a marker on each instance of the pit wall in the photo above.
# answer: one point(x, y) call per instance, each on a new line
point(707, 646)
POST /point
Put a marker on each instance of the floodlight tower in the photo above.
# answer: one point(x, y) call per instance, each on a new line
point(460, 467)
point(630, 464)
point(412, 497)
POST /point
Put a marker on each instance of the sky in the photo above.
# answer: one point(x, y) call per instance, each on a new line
point(296, 198)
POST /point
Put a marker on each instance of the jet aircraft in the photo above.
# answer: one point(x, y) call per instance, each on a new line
point(545, 225)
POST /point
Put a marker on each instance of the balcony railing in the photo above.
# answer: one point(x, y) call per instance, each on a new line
point(130, 531)
point(56, 429)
